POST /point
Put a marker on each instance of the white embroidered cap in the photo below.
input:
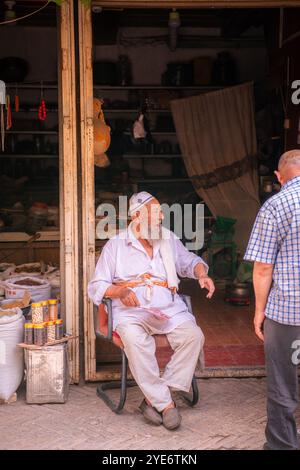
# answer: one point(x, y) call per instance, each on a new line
point(138, 200)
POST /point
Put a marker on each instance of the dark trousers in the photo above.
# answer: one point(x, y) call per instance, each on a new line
point(282, 384)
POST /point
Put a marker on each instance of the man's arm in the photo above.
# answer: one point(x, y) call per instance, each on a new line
point(262, 281)
point(263, 249)
point(126, 295)
point(190, 265)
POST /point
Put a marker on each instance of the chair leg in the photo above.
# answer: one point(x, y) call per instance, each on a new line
point(191, 398)
point(120, 384)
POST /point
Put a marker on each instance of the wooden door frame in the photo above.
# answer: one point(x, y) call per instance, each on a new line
point(87, 182)
point(68, 191)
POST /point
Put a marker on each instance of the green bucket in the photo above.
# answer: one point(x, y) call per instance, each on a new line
point(224, 224)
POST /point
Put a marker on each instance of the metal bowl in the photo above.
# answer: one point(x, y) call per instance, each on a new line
point(238, 289)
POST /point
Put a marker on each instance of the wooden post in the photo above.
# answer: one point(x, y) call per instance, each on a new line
point(88, 178)
point(68, 182)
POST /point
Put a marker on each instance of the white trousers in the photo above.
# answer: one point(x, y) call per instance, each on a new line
point(187, 342)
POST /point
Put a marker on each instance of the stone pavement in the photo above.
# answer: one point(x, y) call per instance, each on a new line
point(230, 415)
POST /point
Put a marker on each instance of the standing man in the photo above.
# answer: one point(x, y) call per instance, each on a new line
point(274, 246)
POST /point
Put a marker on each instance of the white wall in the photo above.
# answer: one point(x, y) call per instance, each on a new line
point(149, 61)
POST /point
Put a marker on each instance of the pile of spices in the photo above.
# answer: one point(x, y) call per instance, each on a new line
point(50, 332)
point(27, 282)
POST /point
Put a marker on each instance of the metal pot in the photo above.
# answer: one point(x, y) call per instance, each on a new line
point(13, 69)
point(238, 293)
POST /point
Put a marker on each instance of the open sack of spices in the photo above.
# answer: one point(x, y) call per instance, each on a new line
point(11, 357)
point(39, 289)
point(23, 304)
point(33, 269)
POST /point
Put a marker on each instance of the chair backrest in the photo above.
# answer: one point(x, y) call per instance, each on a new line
point(96, 320)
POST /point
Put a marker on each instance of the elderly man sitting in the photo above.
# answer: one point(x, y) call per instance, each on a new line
point(138, 270)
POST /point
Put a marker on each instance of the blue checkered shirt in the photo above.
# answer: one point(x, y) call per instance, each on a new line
point(275, 239)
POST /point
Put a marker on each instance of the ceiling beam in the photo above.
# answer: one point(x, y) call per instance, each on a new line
point(197, 3)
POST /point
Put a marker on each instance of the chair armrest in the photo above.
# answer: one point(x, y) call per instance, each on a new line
point(187, 301)
point(108, 303)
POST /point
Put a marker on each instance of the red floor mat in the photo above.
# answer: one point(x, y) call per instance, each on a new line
point(235, 355)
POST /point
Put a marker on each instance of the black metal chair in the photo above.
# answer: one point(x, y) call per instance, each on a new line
point(190, 398)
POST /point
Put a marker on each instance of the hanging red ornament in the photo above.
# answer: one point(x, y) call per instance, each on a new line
point(42, 111)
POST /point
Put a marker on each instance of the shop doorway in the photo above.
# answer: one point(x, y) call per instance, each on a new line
point(114, 45)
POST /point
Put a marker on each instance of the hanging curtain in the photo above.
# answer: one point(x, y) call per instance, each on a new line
point(216, 133)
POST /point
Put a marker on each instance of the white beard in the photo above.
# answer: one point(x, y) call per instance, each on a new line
point(151, 234)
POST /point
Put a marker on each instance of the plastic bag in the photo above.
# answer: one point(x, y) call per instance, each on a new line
point(11, 355)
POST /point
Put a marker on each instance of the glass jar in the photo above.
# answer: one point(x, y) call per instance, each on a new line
point(28, 333)
point(59, 329)
point(51, 331)
point(45, 306)
point(38, 334)
point(37, 313)
point(53, 309)
point(45, 332)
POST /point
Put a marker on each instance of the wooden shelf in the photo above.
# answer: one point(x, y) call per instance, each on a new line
point(34, 110)
point(156, 87)
point(33, 86)
point(156, 133)
point(52, 235)
point(33, 132)
point(160, 180)
point(135, 111)
point(53, 343)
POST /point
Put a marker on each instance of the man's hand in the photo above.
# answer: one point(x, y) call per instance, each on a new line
point(207, 283)
point(128, 298)
point(259, 319)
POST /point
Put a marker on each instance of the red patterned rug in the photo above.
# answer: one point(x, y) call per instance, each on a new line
point(234, 355)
